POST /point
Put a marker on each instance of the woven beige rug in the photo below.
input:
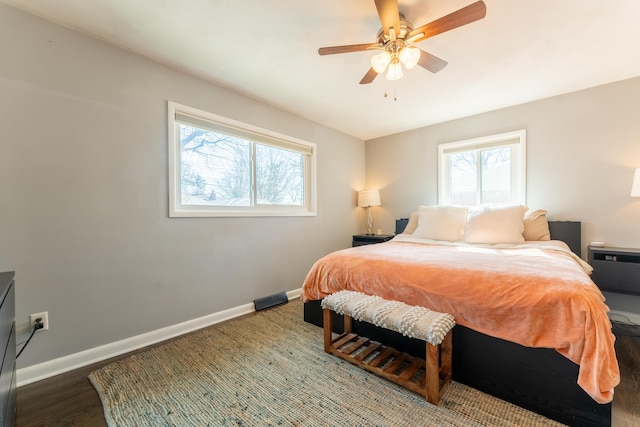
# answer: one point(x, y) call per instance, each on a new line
point(269, 369)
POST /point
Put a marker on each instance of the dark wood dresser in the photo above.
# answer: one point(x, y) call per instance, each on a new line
point(7, 350)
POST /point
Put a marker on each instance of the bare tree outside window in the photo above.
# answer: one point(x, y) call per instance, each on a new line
point(496, 175)
point(481, 176)
point(280, 176)
point(464, 176)
point(217, 170)
point(222, 167)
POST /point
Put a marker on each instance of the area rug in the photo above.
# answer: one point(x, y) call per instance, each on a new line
point(269, 369)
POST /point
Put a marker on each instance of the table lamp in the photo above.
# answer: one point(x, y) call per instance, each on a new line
point(367, 199)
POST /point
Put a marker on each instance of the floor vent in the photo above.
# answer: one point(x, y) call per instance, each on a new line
point(270, 301)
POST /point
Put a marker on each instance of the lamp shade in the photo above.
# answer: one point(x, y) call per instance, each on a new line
point(368, 198)
point(635, 187)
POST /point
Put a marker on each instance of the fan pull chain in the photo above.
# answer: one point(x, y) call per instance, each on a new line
point(395, 97)
point(395, 91)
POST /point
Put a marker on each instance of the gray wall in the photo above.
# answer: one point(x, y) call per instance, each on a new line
point(84, 202)
point(582, 149)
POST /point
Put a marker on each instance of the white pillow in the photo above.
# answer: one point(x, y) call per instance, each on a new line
point(412, 224)
point(441, 222)
point(495, 225)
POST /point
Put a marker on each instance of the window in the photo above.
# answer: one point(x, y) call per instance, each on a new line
point(483, 171)
point(221, 167)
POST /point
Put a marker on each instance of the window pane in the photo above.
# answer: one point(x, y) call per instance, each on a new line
point(279, 176)
point(215, 168)
point(496, 175)
point(463, 178)
point(493, 167)
point(219, 167)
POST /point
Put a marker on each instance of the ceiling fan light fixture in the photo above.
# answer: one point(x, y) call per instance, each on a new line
point(410, 56)
point(395, 71)
point(380, 61)
point(397, 35)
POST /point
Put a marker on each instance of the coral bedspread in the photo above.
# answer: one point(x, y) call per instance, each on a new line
point(535, 294)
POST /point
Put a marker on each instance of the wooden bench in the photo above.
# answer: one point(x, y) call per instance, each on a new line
point(427, 378)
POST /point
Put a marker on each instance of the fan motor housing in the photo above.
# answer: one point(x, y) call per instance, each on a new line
point(405, 28)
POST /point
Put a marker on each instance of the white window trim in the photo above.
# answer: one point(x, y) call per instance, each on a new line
point(177, 209)
point(484, 141)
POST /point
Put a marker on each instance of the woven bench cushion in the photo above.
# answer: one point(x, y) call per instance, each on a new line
point(412, 321)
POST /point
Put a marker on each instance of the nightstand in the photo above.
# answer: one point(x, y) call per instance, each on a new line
point(370, 239)
point(615, 269)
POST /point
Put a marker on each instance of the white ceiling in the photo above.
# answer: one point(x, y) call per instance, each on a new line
point(521, 51)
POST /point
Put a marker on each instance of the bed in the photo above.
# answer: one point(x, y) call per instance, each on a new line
point(532, 328)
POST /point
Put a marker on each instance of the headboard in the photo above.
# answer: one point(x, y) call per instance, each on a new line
point(569, 232)
point(401, 224)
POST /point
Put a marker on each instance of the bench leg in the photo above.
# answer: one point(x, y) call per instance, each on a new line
point(446, 349)
point(438, 365)
point(433, 374)
point(348, 324)
point(328, 328)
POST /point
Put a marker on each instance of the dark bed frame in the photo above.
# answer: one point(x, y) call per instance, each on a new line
point(537, 379)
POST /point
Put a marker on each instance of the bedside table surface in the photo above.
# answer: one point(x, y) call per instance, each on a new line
point(370, 239)
point(614, 249)
point(374, 236)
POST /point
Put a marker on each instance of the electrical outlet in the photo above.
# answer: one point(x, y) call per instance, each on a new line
point(45, 320)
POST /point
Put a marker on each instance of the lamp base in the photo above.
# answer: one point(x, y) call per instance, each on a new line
point(369, 222)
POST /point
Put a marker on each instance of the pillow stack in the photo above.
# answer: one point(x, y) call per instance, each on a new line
point(489, 225)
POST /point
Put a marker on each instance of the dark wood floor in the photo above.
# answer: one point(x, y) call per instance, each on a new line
point(70, 400)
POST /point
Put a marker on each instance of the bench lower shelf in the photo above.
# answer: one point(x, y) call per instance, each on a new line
point(428, 378)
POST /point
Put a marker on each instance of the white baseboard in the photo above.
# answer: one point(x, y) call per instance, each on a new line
point(624, 308)
point(625, 317)
point(41, 371)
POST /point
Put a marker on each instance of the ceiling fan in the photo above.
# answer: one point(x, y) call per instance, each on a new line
point(397, 36)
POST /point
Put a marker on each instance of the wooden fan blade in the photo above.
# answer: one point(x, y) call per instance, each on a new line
point(466, 15)
point(331, 50)
point(389, 15)
point(369, 77)
point(431, 62)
